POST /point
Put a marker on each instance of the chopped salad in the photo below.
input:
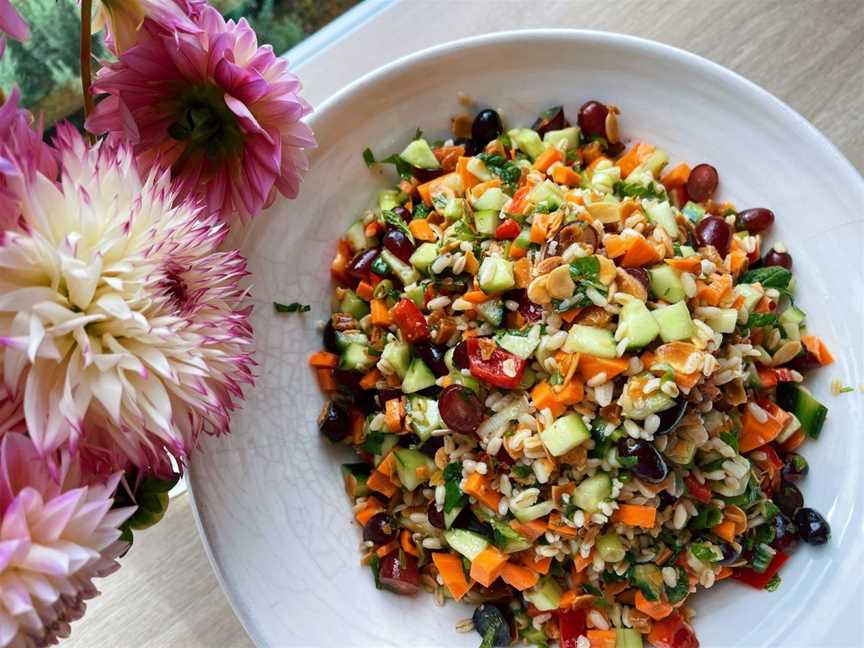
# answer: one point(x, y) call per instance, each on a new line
point(573, 383)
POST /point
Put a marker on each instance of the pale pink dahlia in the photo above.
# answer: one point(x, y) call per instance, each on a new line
point(56, 536)
point(118, 314)
point(221, 112)
point(124, 19)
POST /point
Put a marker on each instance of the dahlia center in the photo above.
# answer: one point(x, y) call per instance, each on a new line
point(205, 123)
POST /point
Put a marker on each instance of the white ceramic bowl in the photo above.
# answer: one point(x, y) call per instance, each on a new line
point(269, 498)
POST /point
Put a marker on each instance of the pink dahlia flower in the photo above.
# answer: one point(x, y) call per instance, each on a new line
point(125, 18)
point(118, 313)
point(12, 24)
point(222, 113)
point(56, 536)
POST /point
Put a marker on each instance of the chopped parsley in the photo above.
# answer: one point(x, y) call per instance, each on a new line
point(758, 320)
point(293, 307)
point(453, 495)
point(509, 173)
point(395, 220)
point(374, 442)
point(635, 190)
point(402, 167)
point(773, 584)
point(770, 277)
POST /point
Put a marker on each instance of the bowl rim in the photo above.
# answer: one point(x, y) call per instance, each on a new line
point(396, 66)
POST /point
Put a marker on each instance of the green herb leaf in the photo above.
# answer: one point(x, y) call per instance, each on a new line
point(758, 320)
point(453, 495)
point(762, 557)
point(373, 443)
point(635, 190)
point(705, 551)
point(706, 518)
point(418, 133)
point(420, 211)
point(374, 565)
point(293, 307)
point(773, 584)
point(522, 471)
point(368, 157)
point(771, 510)
point(489, 635)
point(588, 588)
point(730, 439)
point(682, 586)
point(770, 277)
point(585, 268)
point(395, 220)
point(509, 173)
point(402, 167)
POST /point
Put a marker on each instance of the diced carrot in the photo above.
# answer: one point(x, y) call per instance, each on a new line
point(323, 360)
point(519, 201)
point(818, 348)
point(601, 638)
point(529, 559)
point(615, 245)
point(544, 396)
point(522, 273)
point(794, 442)
point(518, 576)
point(725, 572)
point(325, 380)
point(448, 156)
point(581, 563)
point(370, 379)
point(558, 491)
point(763, 306)
point(388, 465)
point(407, 544)
point(371, 508)
point(487, 566)
point(557, 525)
point(380, 312)
point(532, 529)
point(517, 252)
point(634, 157)
point(475, 296)
point(737, 259)
point(570, 315)
point(687, 380)
point(387, 549)
point(687, 264)
point(613, 589)
point(483, 187)
point(571, 393)
point(365, 290)
point(547, 158)
point(590, 366)
point(755, 434)
point(639, 253)
point(468, 179)
point(713, 293)
point(478, 486)
point(471, 263)
point(725, 530)
point(676, 176)
point(392, 414)
point(657, 610)
point(380, 483)
point(357, 423)
point(538, 228)
point(636, 515)
point(568, 599)
point(451, 571)
point(339, 265)
point(564, 175)
point(421, 230)
point(373, 229)
point(451, 181)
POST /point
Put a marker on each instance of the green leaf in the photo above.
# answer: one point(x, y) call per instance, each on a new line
point(522, 471)
point(395, 220)
point(682, 586)
point(374, 565)
point(707, 518)
point(585, 268)
point(489, 635)
point(773, 584)
point(730, 439)
point(402, 167)
point(509, 173)
point(453, 495)
point(635, 190)
point(588, 588)
point(293, 307)
point(770, 277)
point(368, 157)
point(420, 211)
point(373, 442)
point(705, 551)
point(758, 320)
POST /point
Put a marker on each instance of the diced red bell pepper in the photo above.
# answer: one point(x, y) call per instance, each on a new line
point(519, 200)
point(399, 577)
point(673, 632)
point(760, 580)
point(697, 491)
point(410, 321)
point(571, 625)
point(502, 369)
point(767, 377)
point(508, 230)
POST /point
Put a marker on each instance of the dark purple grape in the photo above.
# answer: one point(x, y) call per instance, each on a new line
point(329, 336)
point(365, 401)
point(671, 418)
point(785, 533)
point(385, 395)
point(398, 573)
point(334, 422)
point(460, 356)
point(794, 466)
point(803, 362)
point(425, 175)
point(431, 446)
point(551, 119)
point(361, 264)
point(702, 182)
point(486, 127)
point(649, 466)
point(755, 220)
point(641, 275)
point(348, 381)
point(379, 529)
point(409, 440)
point(460, 408)
point(812, 527)
point(529, 310)
point(491, 618)
point(731, 552)
point(399, 244)
point(666, 499)
point(402, 213)
point(470, 146)
point(713, 230)
point(775, 258)
point(433, 355)
point(592, 119)
point(436, 517)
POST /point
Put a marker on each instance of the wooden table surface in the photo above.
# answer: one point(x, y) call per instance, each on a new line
point(807, 53)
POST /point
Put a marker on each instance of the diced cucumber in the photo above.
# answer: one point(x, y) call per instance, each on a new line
point(565, 434)
point(389, 199)
point(496, 275)
point(591, 340)
point(467, 543)
point(545, 595)
point(355, 357)
point(661, 214)
point(724, 321)
point(648, 578)
point(534, 512)
point(466, 381)
point(666, 283)
point(687, 251)
point(387, 444)
point(455, 209)
point(356, 237)
point(355, 476)
point(451, 515)
point(407, 464)
point(353, 305)
point(674, 321)
point(407, 274)
point(750, 293)
point(478, 169)
point(506, 539)
point(528, 379)
point(424, 416)
point(424, 256)
point(569, 135)
point(418, 377)
point(610, 547)
point(492, 310)
point(523, 241)
point(636, 324)
point(486, 221)
point(416, 294)
point(521, 345)
point(651, 404)
point(792, 320)
point(809, 411)
point(419, 154)
point(693, 211)
point(492, 199)
point(592, 491)
point(547, 192)
point(398, 355)
point(628, 638)
point(344, 338)
point(527, 141)
point(655, 162)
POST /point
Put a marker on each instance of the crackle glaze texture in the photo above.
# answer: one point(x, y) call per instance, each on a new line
point(269, 498)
